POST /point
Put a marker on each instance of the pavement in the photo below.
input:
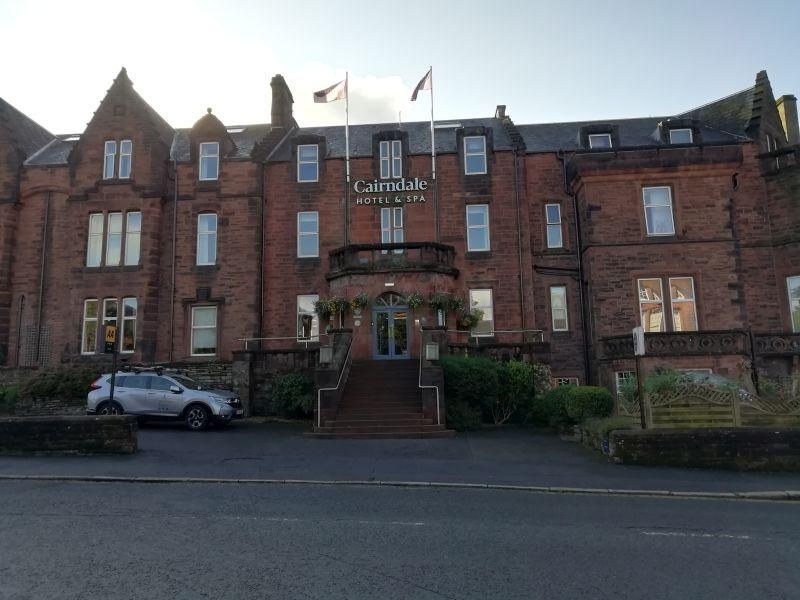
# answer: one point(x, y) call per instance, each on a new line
point(75, 540)
point(278, 451)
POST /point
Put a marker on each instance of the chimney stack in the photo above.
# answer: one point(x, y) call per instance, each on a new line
point(500, 112)
point(281, 115)
point(787, 109)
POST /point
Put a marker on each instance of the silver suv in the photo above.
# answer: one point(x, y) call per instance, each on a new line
point(160, 394)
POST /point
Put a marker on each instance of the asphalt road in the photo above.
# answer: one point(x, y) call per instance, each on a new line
point(70, 540)
point(511, 456)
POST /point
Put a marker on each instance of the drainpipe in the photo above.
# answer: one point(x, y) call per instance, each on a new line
point(174, 241)
point(519, 239)
point(579, 242)
point(42, 267)
point(19, 325)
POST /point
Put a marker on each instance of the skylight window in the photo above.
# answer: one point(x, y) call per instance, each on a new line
point(71, 138)
point(447, 125)
point(236, 130)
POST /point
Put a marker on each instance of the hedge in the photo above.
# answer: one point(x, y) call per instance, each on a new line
point(588, 401)
point(292, 396)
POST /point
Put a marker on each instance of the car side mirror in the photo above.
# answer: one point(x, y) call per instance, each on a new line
point(175, 389)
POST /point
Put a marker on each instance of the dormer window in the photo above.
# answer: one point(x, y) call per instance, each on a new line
point(125, 159)
point(109, 160)
point(391, 158)
point(209, 161)
point(307, 163)
point(475, 155)
point(680, 136)
point(599, 140)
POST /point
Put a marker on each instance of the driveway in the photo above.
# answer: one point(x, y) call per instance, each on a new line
point(508, 456)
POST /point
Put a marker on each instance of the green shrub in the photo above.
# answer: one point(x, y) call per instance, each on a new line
point(588, 401)
point(551, 408)
point(68, 383)
point(515, 380)
point(8, 399)
point(663, 381)
point(603, 426)
point(292, 396)
point(472, 382)
point(462, 417)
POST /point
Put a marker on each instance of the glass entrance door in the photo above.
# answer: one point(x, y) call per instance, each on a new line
point(390, 333)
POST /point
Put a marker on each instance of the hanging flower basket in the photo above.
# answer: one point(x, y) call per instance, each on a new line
point(415, 300)
point(360, 301)
point(472, 318)
point(323, 308)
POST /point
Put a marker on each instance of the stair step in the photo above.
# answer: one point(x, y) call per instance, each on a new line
point(380, 428)
point(342, 421)
point(445, 433)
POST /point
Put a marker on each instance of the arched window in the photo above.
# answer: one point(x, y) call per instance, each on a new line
point(390, 299)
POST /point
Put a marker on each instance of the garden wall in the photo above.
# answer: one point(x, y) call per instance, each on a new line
point(68, 435)
point(746, 449)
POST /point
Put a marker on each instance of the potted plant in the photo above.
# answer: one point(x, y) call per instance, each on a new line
point(456, 304)
point(439, 301)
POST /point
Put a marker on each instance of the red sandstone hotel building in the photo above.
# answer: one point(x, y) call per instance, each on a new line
point(564, 235)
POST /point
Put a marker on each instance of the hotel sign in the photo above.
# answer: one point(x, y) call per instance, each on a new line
point(398, 191)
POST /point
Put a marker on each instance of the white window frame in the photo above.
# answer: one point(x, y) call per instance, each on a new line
point(668, 205)
point(214, 327)
point(484, 308)
point(559, 381)
point(117, 216)
point(482, 153)
point(789, 280)
point(207, 234)
point(122, 156)
point(315, 162)
point(691, 135)
point(96, 236)
point(663, 326)
point(109, 151)
point(562, 290)
point(593, 136)
point(391, 159)
point(485, 210)
point(620, 377)
point(674, 301)
point(300, 234)
point(554, 226)
point(87, 320)
point(132, 233)
point(202, 157)
point(392, 227)
point(314, 337)
point(126, 321)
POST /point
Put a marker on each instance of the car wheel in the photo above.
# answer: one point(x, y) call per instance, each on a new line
point(109, 408)
point(197, 417)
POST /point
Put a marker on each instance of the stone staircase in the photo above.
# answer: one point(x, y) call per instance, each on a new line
point(381, 400)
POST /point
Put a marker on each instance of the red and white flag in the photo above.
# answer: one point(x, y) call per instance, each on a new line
point(338, 91)
point(424, 84)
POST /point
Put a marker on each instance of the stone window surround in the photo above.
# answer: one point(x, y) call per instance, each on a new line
point(116, 155)
point(104, 235)
point(390, 135)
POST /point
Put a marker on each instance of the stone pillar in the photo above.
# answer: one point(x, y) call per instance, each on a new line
point(242, 375)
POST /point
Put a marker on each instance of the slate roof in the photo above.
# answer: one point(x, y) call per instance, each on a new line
point(419, 137)
point(27, 135)
point(731, 114)
point(56, 152)
point(244, 140)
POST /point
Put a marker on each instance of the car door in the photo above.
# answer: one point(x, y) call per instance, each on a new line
point(133, 395)
point(169, 403)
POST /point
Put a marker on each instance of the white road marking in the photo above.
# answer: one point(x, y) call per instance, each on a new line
point(694, 534)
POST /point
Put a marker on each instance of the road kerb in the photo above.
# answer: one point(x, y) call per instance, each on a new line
point(773, 495)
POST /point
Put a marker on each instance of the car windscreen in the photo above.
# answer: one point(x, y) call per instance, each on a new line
point(190, 384)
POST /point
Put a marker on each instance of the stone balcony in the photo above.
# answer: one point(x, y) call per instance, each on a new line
point(408, 257)
point(686, 343)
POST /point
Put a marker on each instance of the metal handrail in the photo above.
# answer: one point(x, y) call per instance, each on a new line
point(428, 387)
point(291, 337)
point(338, 383)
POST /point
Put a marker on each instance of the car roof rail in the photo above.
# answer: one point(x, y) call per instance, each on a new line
point(157, 369)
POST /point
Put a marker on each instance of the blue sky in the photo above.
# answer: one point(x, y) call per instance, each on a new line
point(547, 61)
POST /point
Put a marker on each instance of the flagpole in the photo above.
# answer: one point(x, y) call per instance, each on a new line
point(433, 167)
point(347, 156)
point(347, 125)
point(433, 139)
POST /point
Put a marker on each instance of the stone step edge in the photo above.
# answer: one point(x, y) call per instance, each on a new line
point(767, 495)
